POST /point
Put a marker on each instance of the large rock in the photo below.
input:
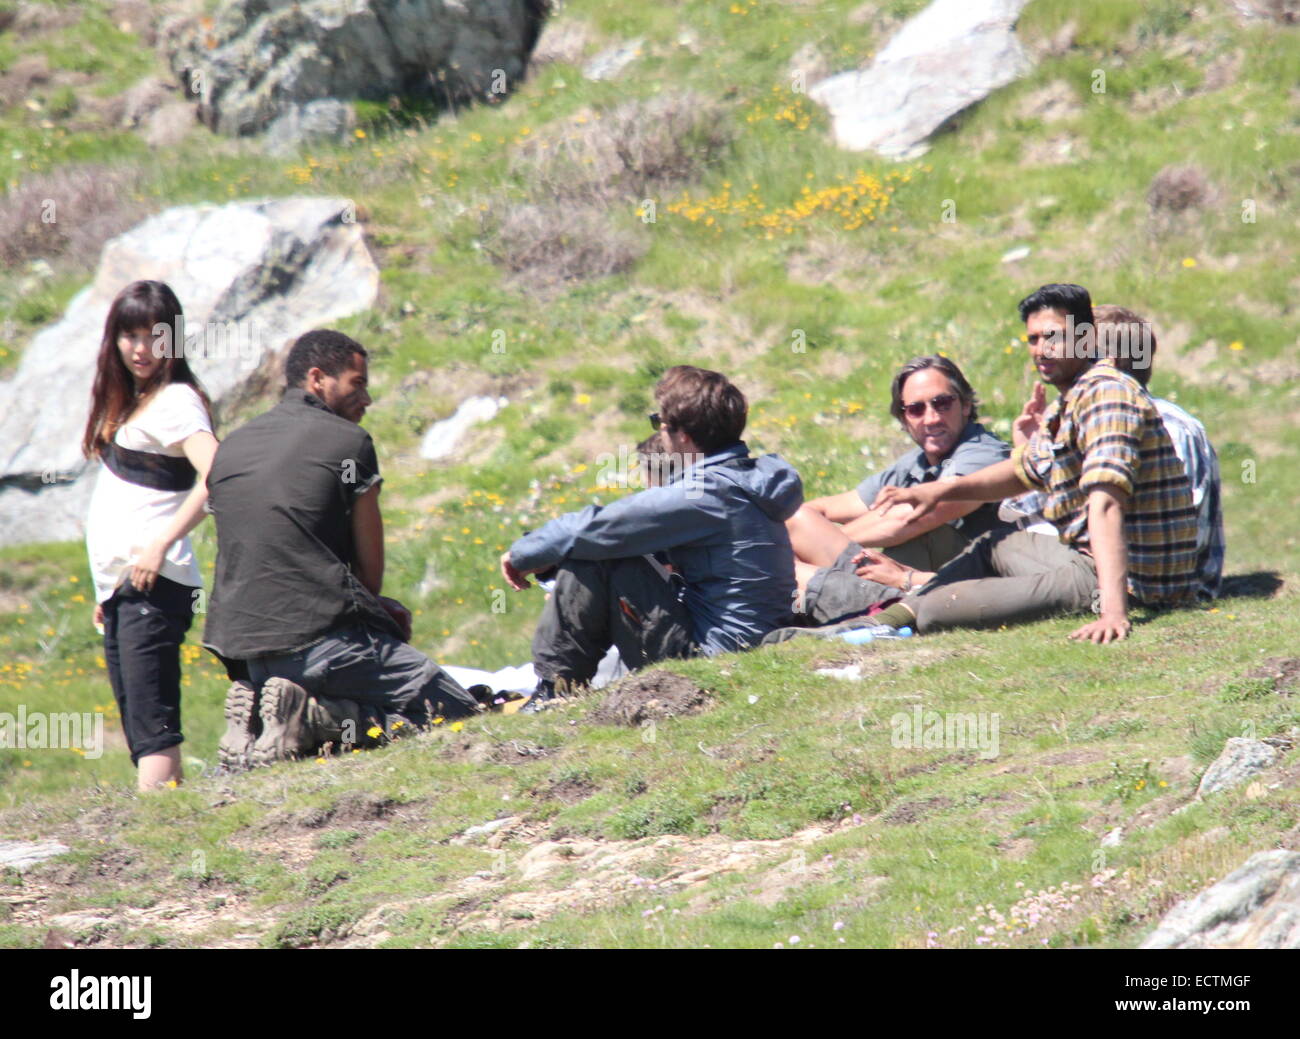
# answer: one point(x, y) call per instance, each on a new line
point(254, 61)
point(946, 58)
point(1256, 907)
point(250, 275)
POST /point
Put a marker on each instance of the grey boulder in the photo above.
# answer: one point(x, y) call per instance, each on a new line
point(1255, 907)
point(949, 56)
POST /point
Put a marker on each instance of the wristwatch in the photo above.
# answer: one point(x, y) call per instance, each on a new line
point(907, 581)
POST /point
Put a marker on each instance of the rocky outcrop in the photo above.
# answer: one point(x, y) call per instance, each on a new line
point(22, 855)
point(250, 275)
point(1242, 759)
point(951, 55)
point(1256, 907)
point(254, 62)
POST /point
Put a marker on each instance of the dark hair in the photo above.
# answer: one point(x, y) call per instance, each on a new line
point(920, 364)
point(1071, 300)
point(114, 398)
point(703, 404)
point(1119, 326)
point(654, 459)
point(331, 352)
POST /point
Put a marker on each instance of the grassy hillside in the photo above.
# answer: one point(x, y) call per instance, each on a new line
point(562, 249)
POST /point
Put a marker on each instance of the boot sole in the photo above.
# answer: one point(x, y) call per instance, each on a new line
point(283, 709)
point(235, 748)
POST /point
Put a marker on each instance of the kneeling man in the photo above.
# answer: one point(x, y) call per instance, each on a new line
point(296, 612)
point(719, 517)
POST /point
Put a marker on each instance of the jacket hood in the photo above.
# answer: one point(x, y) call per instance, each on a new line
point(772, 483)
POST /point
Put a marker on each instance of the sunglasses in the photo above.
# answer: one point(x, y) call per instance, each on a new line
point(942, 404)
point(656, 423)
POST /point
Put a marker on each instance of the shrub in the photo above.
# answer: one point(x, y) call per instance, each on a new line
point(551, 243)
point(1178, 188)
point(69, 212)
point(632, 150)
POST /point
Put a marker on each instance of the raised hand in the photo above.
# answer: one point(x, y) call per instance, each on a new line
point(1030, 418)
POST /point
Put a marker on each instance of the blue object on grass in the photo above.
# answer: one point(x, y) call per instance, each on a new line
point(861, 636)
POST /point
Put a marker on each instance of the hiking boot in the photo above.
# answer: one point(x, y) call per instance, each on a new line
point(550, 692)
point(543, 697)
point(234, 751)
point(337, 723)
point(294, 723)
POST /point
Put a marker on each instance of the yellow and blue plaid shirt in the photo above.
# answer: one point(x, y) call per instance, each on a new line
point(1105, 431)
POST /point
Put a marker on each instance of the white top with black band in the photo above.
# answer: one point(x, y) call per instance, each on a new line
point(134, 500)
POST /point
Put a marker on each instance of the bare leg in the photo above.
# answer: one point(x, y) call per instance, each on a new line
point(802, 575)
point(815, 539)
point(157, 770)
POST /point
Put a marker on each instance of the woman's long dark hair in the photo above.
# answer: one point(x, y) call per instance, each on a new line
point(142, 304)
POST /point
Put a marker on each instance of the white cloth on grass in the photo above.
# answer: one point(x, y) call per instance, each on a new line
point(523, 679)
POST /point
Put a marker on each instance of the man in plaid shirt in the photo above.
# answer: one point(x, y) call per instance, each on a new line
point(1129, 339)
point(1116, 493)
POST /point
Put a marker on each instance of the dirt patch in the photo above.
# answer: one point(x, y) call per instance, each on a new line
point(353, 807)
point(517, 752)
point(569, 790)
point(34, 19)
point(1051, 103)
point(938, 763)
point(1057, 150)
point(1283, 672)
point(1016, 848)
point(649, 696)
point(1067, 758)
point(916, 811)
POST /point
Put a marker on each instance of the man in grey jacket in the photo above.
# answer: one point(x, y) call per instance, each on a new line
point(719, 519)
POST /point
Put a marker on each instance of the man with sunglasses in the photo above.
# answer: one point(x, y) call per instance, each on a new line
point(934, 403)
point(719, 517)
point(1115, 491)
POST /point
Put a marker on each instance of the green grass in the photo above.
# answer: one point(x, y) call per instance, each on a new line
point(1091, 738)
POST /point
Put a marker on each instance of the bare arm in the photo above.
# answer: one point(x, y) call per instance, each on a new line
point(368, 540)
point(900, 523)
point(368, 552)
point(199, 448)
point(993, 483)
point(1109, 552)
point(839, 508)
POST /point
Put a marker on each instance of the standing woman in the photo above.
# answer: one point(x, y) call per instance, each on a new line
point(151, 428)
